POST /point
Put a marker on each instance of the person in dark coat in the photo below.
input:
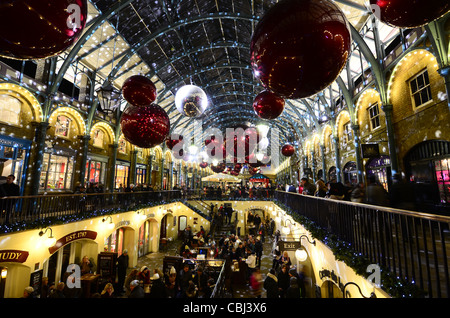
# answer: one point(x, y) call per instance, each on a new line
point(158, 289)
point(185, 277)
point(136, 290)
point(201, 281)
point(293, 290)
point(271, 284)
point(283, 281)
point(122, 265)
point(9, 189)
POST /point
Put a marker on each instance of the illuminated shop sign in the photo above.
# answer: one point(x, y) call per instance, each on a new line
point(15, 256)
point(69, 238)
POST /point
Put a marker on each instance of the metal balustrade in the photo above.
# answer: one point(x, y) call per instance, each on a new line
point(413, 246)
point(42, 207)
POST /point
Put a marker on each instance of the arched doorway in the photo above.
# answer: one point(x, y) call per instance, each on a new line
point(350, 173)
point(427, 165)
point(55, 267)
point(332, 173)
point(380, 167)
point(147, 237)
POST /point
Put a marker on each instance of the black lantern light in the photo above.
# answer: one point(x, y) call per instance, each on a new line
point(108, 98)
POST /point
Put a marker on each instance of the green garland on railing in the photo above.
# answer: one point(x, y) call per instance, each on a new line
point(394, 286)
point(64, 219)
point(51, 221)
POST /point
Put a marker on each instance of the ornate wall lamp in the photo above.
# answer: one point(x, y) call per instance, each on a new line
point(109, 225)
point(50, 241)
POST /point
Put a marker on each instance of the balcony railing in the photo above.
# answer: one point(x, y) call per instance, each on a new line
point(413, 246)
point(39, 208)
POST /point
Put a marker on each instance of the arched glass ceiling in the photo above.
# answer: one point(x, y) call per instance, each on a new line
point(212, 52)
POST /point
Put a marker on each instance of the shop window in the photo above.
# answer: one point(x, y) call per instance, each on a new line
point(95, 172)
point(56, 173)
point(99, 136)
point(10, 109)
point(140, 175)
point(62, 126)
point(420, 89)
point(374, 116)
point(442, 168)
point(121, 176)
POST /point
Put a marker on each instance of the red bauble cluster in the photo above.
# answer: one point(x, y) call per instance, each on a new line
point(408, 13)
point(300, 47)
point(220, 167)
point(37, 29)
point(288, 150)
point(143, 123)
point(268, 105)
point(170, 143)
point(146, 126)
point(139, 90)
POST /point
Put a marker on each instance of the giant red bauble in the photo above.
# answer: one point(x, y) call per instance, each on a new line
point(139, 90)
point(268, 105)
point(287, 150)
point(409, 13)
point(145, 126)
point(299, 47)
point(37, 29)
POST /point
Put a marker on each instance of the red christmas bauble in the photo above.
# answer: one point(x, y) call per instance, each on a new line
point(170, 143)
point(139, 90)
point(287, 150)
point(300, 47)
point(37, 29)
point(145, 126)
point(409, 13)
point(268, 105)
point(220, 167)
point(243, 145)
point(203, 164)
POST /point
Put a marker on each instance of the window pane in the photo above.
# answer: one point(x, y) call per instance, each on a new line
point(420, 82)
point(425, 77)
point(413, 86)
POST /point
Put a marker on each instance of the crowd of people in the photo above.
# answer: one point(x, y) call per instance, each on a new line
point(248, 191)
point(400, 195)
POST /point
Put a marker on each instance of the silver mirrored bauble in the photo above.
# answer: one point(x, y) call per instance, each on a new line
point(191, 101)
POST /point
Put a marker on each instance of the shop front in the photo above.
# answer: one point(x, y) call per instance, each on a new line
point(14, 155)
point(57, 169)
point(380, 167)
point(350, 173)
point(95, 169)
point(141, 174)
point(122, 174)
point(427, 167)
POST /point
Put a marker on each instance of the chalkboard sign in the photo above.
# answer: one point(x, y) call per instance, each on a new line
point(107, 265)
point(36, 282)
